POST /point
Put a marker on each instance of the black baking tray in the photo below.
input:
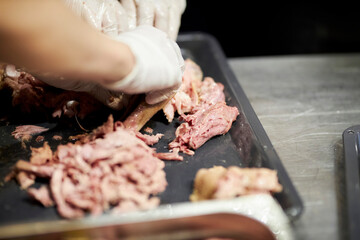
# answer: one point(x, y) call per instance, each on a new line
point(351, 141)
point(245, 145)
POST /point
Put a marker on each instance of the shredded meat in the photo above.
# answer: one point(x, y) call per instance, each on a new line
point(42, 195)
point(226, 183)
point(24, 132)
point(110, 167)
point(187, 96)
point(209, 118)
point(149, 139)
point(216, 120)
point(173, 155)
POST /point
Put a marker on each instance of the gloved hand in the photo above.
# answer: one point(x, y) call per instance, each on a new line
point(107, 16)
point(158, 70)
point(159, 64)
point(162, 14)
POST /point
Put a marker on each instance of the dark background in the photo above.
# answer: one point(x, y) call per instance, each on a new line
point(260, 29)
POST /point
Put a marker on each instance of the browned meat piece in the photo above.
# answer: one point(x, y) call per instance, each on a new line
point(203, 125)
point(42, 195)
point(142, 114)
point(205, 183)
point(221, 183)
point(39, 138)
point(42, 155)
point(24, 132)
point(149, 130)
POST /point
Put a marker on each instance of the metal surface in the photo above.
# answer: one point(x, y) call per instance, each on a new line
point(351, 143)
point(304, 104)
point(232, 226)
point(245, 145)
point(171, 220)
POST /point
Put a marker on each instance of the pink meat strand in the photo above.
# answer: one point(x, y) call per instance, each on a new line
point(24, 132)
point(110, 168)
point(211, 117)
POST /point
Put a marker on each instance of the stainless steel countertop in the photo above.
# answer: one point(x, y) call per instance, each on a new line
point(305, 103)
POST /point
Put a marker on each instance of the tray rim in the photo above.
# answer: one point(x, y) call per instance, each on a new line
point(351, 150)
point(178, 211)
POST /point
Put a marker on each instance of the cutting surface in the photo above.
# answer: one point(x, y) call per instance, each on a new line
point(304, 104)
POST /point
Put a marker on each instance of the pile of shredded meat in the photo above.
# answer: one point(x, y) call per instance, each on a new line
point(208, 115)
point(226, 183)
point(109, 168)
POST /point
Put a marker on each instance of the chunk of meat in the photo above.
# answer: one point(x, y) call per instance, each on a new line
point(203, 125)
point(226, 183)
point(42, 155)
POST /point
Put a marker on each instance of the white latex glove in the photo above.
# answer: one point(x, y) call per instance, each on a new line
point(159, 64)
point(114, 100)
point(107, 16)
point(162, 14)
